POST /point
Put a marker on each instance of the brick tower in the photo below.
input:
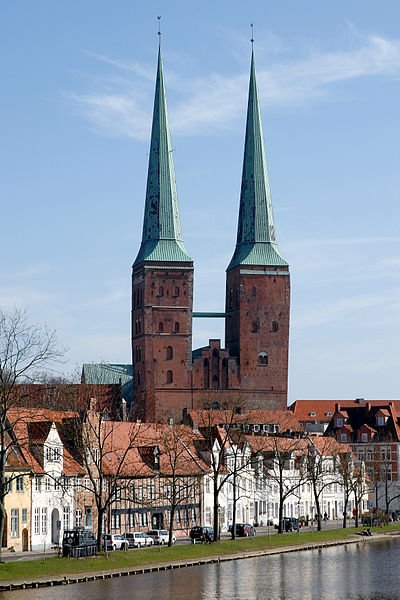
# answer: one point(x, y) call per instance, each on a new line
point(162, 284)
point(257, 279)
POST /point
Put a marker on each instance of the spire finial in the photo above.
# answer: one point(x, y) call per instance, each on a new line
point(252, 35)
point(159, 29)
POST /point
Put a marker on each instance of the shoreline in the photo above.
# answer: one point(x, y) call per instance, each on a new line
point(155, 567)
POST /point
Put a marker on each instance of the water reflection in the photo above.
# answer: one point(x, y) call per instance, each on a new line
point(363, 572)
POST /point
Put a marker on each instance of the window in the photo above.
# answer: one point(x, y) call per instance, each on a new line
point(19, 484)
point(380, 421)
point(104, 485)
point(79, 484)
point(339, 422)
point(132, 519)
point(208, 487)
point(37, 521)
point(343, 437)
point(161, 326)
point(44, 520)
point(274, 326)
point(96, 455)
point(176, 291)
point(66, 517)
point(47, 484)
point(161, 291)
point(57, 454)
point(14, 522)
point(8, 484)
point(176, 327)
point(170, 377)
point(255, 326)
point(263, 358)
point(78, 517)
point(88, 455)
point(150, 491)
point(208, 516)
point(138, 378)
point(57, 483)
point(364, 437)
point(170, 352)
point(24, 516)
point(143, 519)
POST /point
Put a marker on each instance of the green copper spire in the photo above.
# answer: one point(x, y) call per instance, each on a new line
point(256, 243)
point(162, 234)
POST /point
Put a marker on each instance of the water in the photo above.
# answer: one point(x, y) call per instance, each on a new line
point(368, 571)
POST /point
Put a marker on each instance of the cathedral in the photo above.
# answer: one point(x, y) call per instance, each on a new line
point(252, 369)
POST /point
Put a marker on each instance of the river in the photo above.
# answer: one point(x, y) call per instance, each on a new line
point(367, 571)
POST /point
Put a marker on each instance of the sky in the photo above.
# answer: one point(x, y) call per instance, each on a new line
point(77, 82)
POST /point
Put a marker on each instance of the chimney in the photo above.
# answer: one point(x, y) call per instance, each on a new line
point(123, 409)
point(337, 407)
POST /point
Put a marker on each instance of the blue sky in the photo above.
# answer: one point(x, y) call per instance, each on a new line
point(77, 92)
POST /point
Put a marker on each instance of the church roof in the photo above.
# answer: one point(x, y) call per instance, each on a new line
point(256, 242)
point(162, 235)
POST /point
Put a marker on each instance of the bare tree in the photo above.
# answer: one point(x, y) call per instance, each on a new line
point(283, 467)
point(26, 350)
point(106, 450)
point(180, 469)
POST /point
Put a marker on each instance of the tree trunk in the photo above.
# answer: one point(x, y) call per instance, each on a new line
point(233, 532)
point(317, 506)
point(345, 513)
point(216, 509)
point(280, 522)
point(171, 524)
point(100, 517)
point(2, 521)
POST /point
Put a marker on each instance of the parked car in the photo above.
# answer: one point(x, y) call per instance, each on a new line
point(245, 530)
point(201, 534)
point(290, 524)
point(160, 536)
point(115, 542)
point(78, 542)
point(138, 539)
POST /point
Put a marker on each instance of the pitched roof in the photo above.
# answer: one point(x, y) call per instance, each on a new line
point(284, 418)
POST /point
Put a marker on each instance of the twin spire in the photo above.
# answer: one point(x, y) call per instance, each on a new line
point(162, 235)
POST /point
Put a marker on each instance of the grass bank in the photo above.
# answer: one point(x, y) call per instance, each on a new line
point(56, 567)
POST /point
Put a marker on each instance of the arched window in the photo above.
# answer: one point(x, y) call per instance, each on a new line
point(170, 377)
point(253, 291)
point(224, 373)
point(215, 369)
point(216, 406)
point(206, 374)
point(138, 378)
point(177, 327)
point(274, 326)
point(170, 353)
point(161, 291)
point(176, 291)
point(263, 358)
point(161, 326)
point(255, 326)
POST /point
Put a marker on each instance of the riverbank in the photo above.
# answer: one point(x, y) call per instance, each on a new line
point(63, 571)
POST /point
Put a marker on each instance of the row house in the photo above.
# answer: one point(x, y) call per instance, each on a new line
point(373, 431)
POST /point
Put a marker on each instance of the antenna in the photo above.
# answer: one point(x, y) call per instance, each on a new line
point(252, 35)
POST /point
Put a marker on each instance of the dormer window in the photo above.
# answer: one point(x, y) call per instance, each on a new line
point(339, 422)
point(380, 421)
point(312, 414)
point(364, 437)
point(328, 413)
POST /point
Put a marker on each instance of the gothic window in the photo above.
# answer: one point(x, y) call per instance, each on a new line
point(253, 291)
point(176, 327)
point(230, 298)
point(161, 291)
point(176, 291)
point(263, 358)
point(161, 326)
point(255, 326)
point(215, 369)
point(224, 374)
point(206, 374)
point(274, 326)
point(170, 353)
point(138, 378)
point(170, 377)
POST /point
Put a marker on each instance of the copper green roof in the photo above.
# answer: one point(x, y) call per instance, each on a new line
point(162, 234)
point(256, 243)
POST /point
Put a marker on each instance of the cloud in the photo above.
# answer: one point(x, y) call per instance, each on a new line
point(123, 108)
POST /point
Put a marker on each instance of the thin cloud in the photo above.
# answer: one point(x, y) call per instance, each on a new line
point(217, 101)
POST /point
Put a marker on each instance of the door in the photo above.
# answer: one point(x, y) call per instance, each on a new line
point(55, 526)
point(157, 521)
point(25, 540)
